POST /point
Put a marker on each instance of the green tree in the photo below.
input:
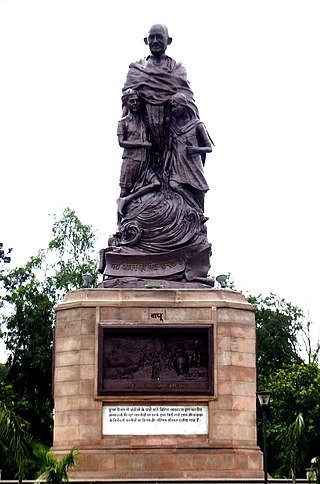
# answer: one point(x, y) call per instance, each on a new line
point(28, 338)
point(3, 372)
point(53, 470)
point(293, 443)
point(15, 440)
point(72, 252)
point(278, 324)
point(295, 390)
point(312, 347)
point(294, 385)
point(30, 294)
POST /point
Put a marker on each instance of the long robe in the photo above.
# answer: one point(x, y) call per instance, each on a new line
point(185, 168)
point(156, 83)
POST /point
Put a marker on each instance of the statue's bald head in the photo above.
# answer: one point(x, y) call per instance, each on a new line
point(158, 33)
point(159, 27)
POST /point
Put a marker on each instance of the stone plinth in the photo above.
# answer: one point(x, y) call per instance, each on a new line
point(228, 449)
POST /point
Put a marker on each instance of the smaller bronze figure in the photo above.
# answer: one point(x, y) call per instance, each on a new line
point(136, 178)
point(190, 143)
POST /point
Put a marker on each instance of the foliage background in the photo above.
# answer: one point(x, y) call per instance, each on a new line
point(29, 295)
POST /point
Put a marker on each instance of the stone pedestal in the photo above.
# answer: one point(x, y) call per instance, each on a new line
point(226, 445)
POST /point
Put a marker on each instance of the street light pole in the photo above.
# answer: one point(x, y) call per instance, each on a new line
point(264, 398)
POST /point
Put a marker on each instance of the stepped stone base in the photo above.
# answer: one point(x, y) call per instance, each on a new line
point(227, 449)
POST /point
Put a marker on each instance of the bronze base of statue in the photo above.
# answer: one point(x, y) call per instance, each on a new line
point(160, 237)
point(175, 269)
point(140, 283)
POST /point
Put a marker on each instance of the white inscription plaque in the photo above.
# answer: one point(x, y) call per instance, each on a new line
point(155, 420)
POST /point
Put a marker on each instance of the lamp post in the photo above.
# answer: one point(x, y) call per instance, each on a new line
point(222, 280)
point(264, 398)
point(87, 280)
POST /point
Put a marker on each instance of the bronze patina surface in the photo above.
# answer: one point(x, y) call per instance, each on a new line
point(158, 359)
point(161, 221)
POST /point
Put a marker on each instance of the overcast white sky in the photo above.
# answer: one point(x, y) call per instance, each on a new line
point(254, 68)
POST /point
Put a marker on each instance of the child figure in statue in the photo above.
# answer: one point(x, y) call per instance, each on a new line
point(136, 176)
point(190, 143)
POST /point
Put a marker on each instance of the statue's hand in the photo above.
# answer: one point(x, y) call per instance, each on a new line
point(192, 150)
point(121, 203)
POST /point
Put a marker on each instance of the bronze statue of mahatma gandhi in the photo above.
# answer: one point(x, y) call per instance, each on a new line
point(161, 239)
